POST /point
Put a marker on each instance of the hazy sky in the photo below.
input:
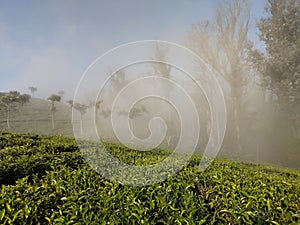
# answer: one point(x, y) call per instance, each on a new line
point(49, 44)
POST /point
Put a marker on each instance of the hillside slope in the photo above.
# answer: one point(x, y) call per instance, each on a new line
point(35, 117)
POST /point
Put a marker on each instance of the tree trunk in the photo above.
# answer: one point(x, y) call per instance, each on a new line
point(81, 125)
point(8, 118)
point(131, 129)
point(169, 141)
point(96, 116)
point(236, 112)
point(52, 116)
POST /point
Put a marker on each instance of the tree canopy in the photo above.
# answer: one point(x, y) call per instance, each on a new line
point(280, 64)
point(12, 101)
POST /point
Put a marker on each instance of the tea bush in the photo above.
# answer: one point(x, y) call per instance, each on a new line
point(45, 180)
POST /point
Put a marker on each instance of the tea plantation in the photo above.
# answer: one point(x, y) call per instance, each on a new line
point(45, 180)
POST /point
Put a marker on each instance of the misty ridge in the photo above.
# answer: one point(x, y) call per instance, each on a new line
point(261, 90)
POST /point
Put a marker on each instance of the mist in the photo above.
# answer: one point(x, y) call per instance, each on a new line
point(153, 95)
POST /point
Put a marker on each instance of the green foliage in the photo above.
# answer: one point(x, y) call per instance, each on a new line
point(279, 67)
point(34, 117)
point(80, 107)
point(54, 98)
point(280, 32)
point(49, 183)
point(12, 101)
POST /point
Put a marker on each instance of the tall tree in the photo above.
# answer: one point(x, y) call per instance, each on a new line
point(105, 113)
point(82, 109)
point(118, 81)
point(223, 44)
point(32, 90)
point(71, 104)
point(53, 98)
point(280, 64)
point(12, 101)
point(279, 67)
point(162, 69)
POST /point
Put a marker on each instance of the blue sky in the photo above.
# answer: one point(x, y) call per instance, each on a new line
point(49, 44)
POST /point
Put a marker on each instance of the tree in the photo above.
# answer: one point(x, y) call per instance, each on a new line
point(12, 101)
point(163, 70)
point(105, 113)
point(118, 81)
point(82, 108)
point(53, 98)
point(134, 113)
point(280, 64)
point(96, 105)
point(279, 67)
point(32, 90)
point(160, 68)
point(70, 102)
point(223, 44)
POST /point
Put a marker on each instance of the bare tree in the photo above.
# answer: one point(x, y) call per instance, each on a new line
point(162, 69)
point(222, 43)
